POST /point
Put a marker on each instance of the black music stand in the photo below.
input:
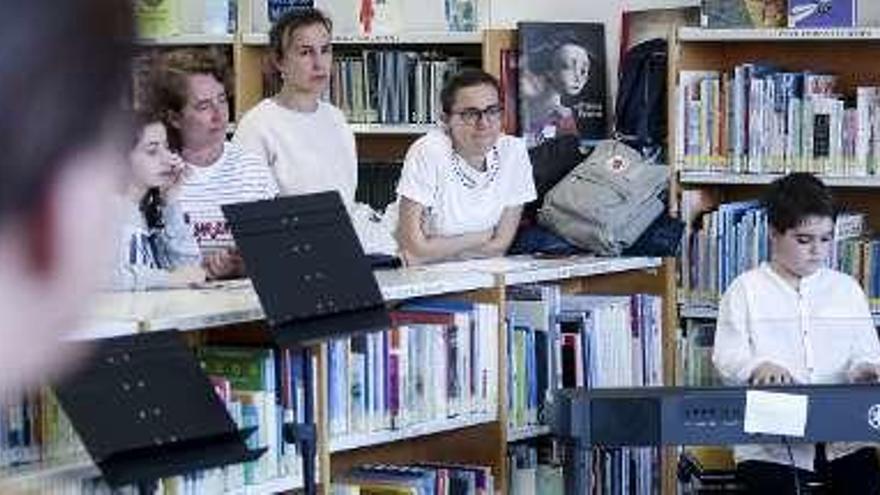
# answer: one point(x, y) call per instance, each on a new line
point(145, 410)
point(313, 280)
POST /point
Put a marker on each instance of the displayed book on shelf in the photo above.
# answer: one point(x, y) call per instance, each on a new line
point(157, 18)
point(562, 88)
point(763, 119)
point(743, 13)
point(821, 13)
point(160, 19)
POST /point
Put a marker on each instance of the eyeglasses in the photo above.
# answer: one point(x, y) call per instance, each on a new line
point(471, 116)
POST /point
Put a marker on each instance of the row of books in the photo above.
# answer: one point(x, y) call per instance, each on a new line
point(438, 361)
point(564, 340)
point(733, 238)
point(262, 388)
point(419, 479)
point(760, 119)
point(391, 86)
point(694, 350)
point(535, 469)
point(165, 18)
point(35, 431)
point(259, 392)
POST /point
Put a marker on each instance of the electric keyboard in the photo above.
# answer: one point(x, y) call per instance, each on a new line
point(650, 416)
point(703, 416)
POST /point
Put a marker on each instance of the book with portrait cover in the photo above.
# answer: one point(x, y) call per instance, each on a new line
point(743, 13)
point(562, 86)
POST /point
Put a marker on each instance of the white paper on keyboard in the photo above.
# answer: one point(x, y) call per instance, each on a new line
point(775, 413)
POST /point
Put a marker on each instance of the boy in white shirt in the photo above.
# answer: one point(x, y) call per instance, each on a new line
point(793, 320)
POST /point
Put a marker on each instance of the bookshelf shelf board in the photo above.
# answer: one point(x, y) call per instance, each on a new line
point(527, 270)
point(182, 309)
point(103, 329)
point(407, 283)
point(394, 129)
point(526, 433)
point(779, 34)
point(18, 479)
point(352, 442)
point(439, 38)
point(703, 312)
point(188, 40)
point(277, 485)
point(724, 178)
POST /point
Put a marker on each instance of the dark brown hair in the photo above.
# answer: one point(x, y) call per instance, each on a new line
point(791, 199)
point(465, 78)
point(169, 83)
point(290, 21)
point(65, 66)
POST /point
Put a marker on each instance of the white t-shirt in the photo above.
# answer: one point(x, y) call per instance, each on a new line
point(458, 198)
point(235, 177)
point(307, 152)
point(817, 333)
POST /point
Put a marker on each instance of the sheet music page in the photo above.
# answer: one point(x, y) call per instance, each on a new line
point(775, 413)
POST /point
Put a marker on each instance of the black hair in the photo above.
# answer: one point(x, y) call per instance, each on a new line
point(791, 199)
point(152, 203)
point(65, 67)
point(289, 22)
point(465, 78)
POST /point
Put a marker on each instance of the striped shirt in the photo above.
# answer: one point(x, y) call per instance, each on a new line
point(236, 177)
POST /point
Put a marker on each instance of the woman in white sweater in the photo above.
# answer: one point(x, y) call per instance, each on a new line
point(305, 141)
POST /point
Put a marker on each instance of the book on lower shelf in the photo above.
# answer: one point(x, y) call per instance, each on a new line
point(437, 361)
point(558, 340)
point(731, 238)
point(416, 479)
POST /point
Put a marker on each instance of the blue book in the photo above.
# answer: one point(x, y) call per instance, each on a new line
point(821, 13)
point(277, 8)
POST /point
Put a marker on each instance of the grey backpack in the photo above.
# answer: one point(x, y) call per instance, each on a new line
point(605, 203)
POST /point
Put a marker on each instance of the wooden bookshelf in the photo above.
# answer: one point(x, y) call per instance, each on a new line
point(232, 310)
point(845, 52)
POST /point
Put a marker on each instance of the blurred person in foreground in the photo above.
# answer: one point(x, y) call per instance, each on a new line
point(64, 66)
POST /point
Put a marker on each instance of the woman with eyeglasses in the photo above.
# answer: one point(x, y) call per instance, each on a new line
point(462, 188)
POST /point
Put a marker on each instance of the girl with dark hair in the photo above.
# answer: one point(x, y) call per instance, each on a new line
point(156, 249)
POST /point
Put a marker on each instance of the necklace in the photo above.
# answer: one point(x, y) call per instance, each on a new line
point(471, 178)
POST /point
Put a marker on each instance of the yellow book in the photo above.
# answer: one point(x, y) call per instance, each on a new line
point(156, 18)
